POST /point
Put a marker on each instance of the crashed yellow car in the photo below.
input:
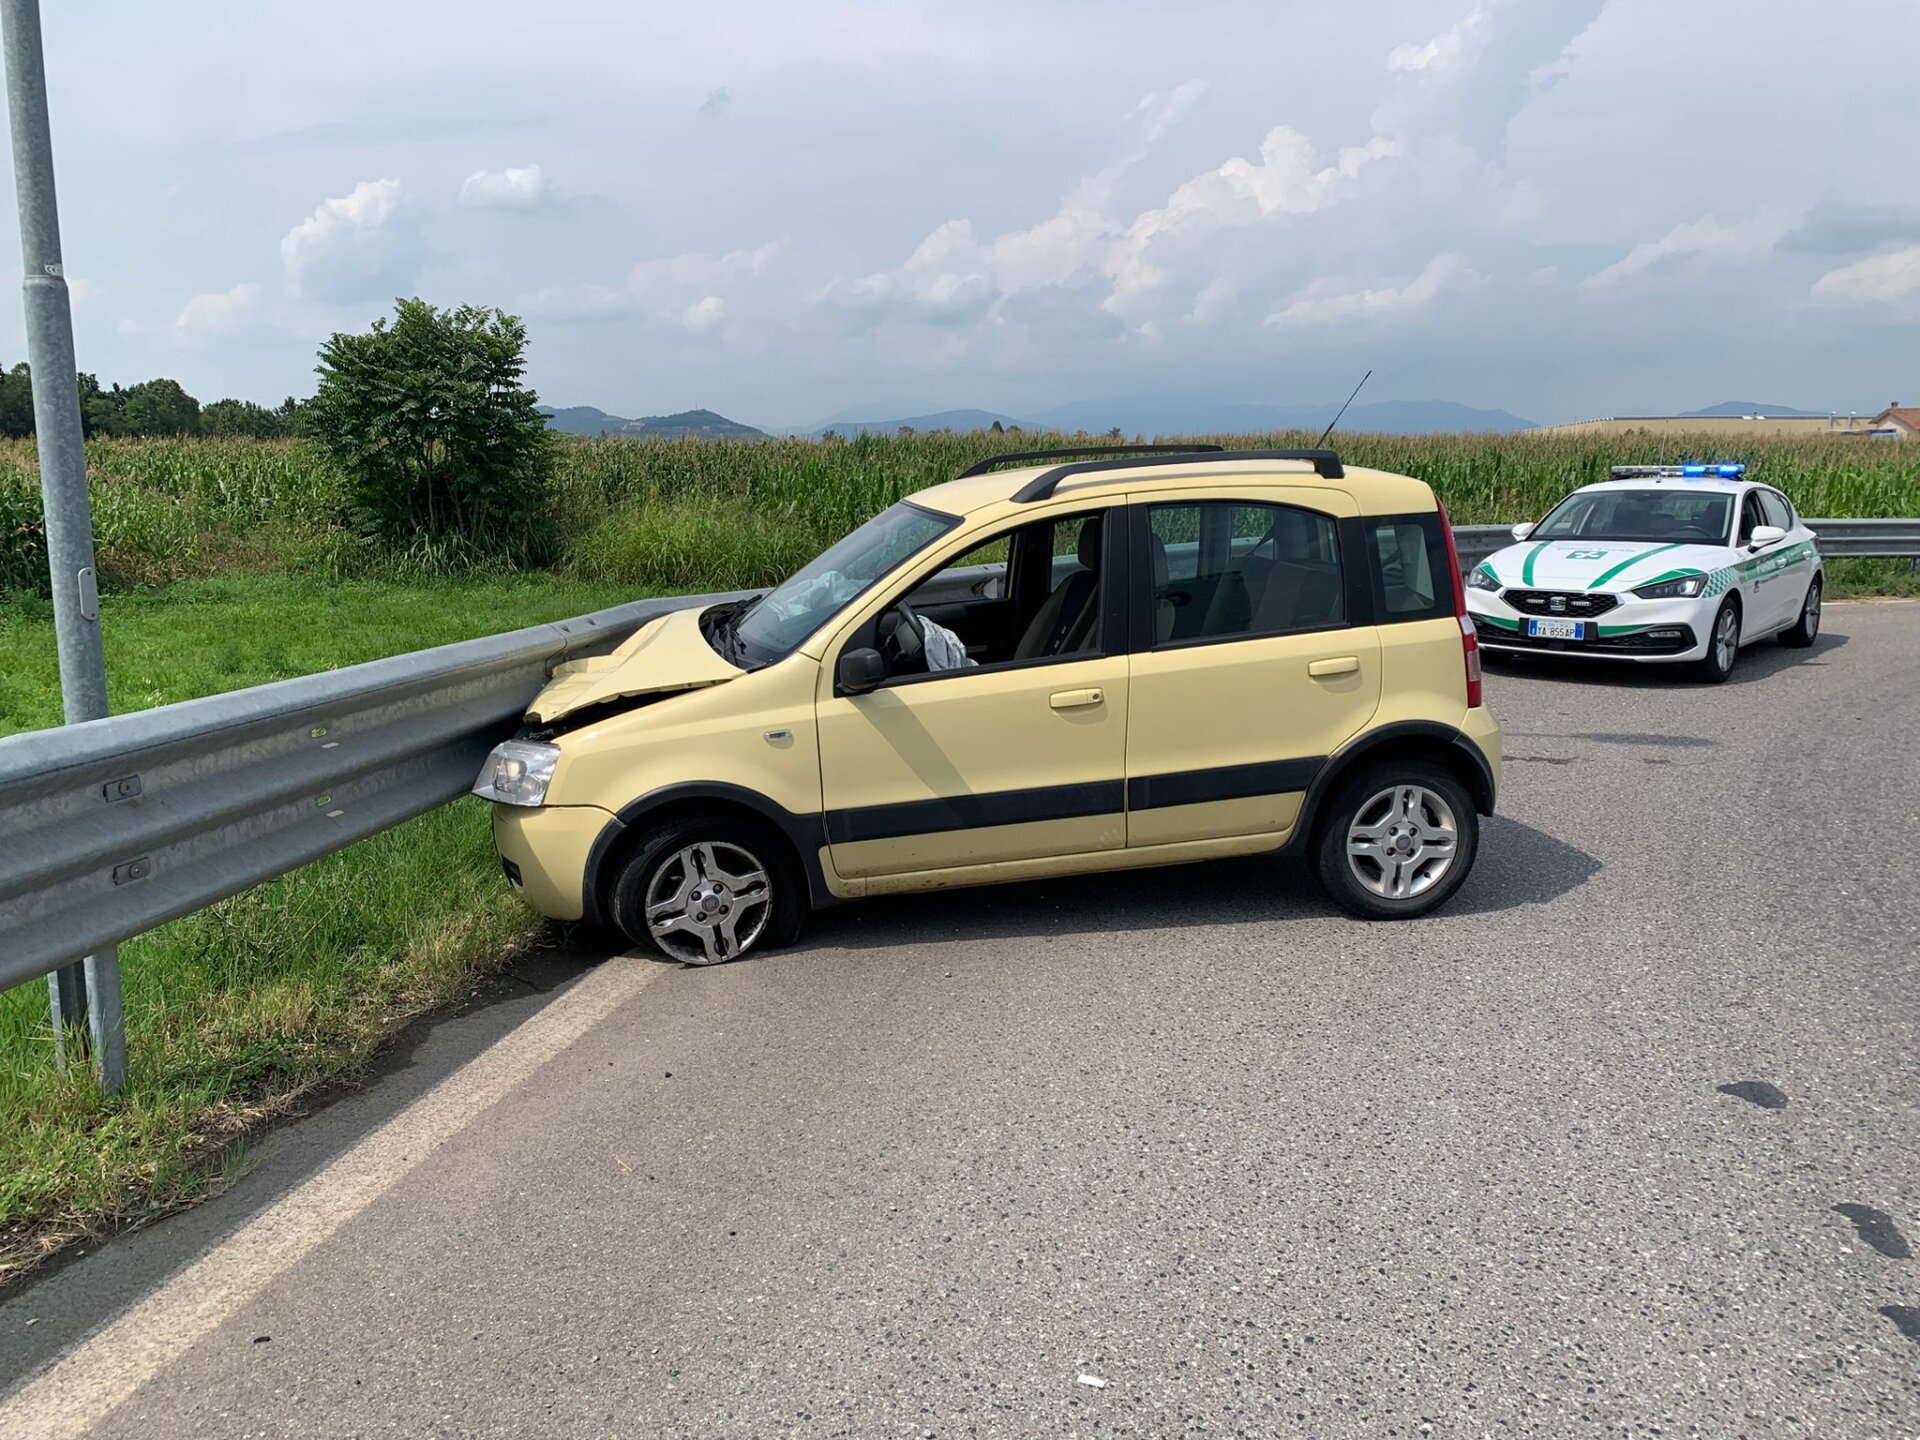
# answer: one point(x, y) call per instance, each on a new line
point(1089, 662)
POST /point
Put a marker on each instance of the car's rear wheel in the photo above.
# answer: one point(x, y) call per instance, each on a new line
point(1806, 629)
point(1397, 840)
point(705, 889)
point(1723, 645)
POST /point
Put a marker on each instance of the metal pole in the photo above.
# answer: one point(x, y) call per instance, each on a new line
point(63, 489)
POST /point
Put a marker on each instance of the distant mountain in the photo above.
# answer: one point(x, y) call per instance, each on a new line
point(941, 420)
point(586, 420)
point(1737, 408)
point(1192, 415)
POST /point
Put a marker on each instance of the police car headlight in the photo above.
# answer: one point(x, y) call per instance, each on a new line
point(517, 773)
point(1686, 587)
point(1482, 579)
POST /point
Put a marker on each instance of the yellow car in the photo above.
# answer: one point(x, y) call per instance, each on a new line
point(1096, 661)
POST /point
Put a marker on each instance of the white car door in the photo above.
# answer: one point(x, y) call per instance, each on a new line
point(1758, 575)
point(1796, 554)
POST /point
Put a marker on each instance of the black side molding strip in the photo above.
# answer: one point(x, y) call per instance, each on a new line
point(1232, 782)
point(976, 812)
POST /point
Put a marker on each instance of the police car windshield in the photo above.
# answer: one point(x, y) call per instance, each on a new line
point(1672, 517)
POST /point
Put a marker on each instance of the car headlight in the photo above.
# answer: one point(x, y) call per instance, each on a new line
point(517, 773)
point(1683, 588)
point(1482, 579)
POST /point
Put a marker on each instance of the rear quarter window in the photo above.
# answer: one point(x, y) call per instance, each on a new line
point(1407, 555)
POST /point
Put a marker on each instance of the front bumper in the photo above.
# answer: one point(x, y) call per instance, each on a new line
point(1634, 629)
point(544, 851)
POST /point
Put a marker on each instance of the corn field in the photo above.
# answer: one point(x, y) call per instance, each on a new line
point(716, 513)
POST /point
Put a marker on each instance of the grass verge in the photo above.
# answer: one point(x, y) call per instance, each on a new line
point(236, 1012)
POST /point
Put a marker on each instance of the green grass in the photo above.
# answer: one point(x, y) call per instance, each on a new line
point(202, 637)
point(235, 1012)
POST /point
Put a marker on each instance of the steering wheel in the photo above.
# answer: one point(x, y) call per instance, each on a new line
point(905, 647)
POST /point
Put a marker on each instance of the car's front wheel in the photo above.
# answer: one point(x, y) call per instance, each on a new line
point(1723, 645)
point(704, 889)
point(1397, 841)
point(1806, 629)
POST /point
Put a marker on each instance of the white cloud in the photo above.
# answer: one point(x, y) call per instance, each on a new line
point(356, 246)
point(690, 291)
point(1450, 52)
point(1688, 249)
point(717, 101)
point(1323, 303)
point(1159, 113)
point(81, 291)
point(1886, 279)
point(1287, 180)
point(518, 187)
point(220, 313)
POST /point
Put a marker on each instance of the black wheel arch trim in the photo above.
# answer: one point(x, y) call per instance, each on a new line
point(806, 833)
point(1355, 752)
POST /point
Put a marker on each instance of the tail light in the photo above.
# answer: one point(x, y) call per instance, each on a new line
point(1469, 641)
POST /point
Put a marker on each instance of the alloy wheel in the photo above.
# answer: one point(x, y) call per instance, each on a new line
point(708, 902)
point(1403, 841)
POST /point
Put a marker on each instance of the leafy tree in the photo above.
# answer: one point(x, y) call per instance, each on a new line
point(153, 407)
point(427, 417)
point(243, 417)
point(16, 400)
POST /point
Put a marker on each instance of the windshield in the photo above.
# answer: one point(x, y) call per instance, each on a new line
point(1673, 517)
point(771, 627)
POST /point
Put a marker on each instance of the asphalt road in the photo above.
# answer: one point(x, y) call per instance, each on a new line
point(1625, 1142)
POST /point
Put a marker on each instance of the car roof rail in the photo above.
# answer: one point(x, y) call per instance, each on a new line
point(1022, 457)
point(1326, 464)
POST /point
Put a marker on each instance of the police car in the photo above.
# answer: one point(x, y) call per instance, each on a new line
point(1671, 563)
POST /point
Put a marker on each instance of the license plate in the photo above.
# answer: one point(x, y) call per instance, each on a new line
point(1557, 629)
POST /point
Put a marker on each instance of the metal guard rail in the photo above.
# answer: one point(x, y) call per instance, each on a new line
point(111, 827)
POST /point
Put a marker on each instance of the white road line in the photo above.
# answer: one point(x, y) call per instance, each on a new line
point(86, 1385)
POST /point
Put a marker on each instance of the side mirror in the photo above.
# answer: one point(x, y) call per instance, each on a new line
point(860, 670)
point(1764, 535)
point(1522, 530)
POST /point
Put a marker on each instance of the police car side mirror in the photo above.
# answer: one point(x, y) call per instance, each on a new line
point(1522, 530)
point(860, 671)
point(1764, 535)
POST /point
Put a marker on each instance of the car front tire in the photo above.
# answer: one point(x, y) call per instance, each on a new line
point(1723, 645)
point(705, 889)
point(1806, 629)
point(1397, 841)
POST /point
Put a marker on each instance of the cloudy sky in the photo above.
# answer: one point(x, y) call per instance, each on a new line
point(1563, 208)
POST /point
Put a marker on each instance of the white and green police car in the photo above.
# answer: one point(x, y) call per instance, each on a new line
point(1662, 562)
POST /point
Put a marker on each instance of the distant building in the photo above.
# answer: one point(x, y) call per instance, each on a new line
point(1766, 426)
point(1896, 422)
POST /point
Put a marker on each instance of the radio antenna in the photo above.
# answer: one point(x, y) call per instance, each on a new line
point(1343, 410)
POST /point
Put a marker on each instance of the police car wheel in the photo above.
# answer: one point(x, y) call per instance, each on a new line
point(1806, 629)
point(1723, 645)
point(1397, 841)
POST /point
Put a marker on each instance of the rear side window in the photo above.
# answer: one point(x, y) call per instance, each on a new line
point(1776, 509)
point(1408, 557)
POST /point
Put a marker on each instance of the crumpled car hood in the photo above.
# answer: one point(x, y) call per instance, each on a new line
point(661, 657)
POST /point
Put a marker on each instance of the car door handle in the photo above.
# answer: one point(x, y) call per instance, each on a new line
point(1074, 699)
point(1345, 665)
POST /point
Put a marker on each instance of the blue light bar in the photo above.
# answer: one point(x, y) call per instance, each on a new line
point(1730, 470)
point(1726, 471)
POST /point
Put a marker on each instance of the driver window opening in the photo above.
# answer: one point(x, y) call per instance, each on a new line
point(1030, 594)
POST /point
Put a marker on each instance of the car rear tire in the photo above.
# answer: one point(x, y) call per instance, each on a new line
point(1397, 841)
point(704, 889)
point(1806, 629)
point(1723, 645)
